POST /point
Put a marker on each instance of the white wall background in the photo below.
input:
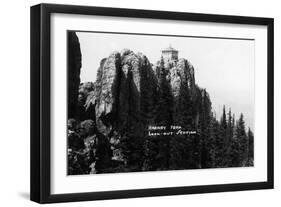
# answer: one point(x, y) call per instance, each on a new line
point(14, 109)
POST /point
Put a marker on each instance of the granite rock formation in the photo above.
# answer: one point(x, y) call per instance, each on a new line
point(124, 81)
point(179, 72)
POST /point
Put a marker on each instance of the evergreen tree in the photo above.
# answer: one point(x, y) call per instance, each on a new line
point(181, 155)
point(243, 140)
point(150, 154)
point(233, 124)
point(131, 136)
point(221, 160)
point(250, 148)
point(183, 108)
point(229, 135)
point(164, 114)
point(223, 125)
point(211, 142)
point(148, 107)
point(234, 152)
point(164, 117)
point(205, 121)
point(229, 129)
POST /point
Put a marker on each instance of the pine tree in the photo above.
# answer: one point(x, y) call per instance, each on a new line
point(229, 128)
point(234, 152)
point(150, 154)
point(164, 114)
point(205, 121)
point(243, 140)
point(223, 125)
point(250, 148)
point(211, 142)
point(164, 117)
point(131, 137)
point(183, 108)
point(148, 108)
point(181, 155)
point(229, 136)
point(221, 160)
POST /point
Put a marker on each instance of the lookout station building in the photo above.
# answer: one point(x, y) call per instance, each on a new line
point(170, 54)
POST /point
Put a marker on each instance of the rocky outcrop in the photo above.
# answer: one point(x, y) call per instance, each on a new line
point(178, 72)
point(107, 92)
point(74, 66)
point(185, 72)
point(121, 101)
point(125, 81)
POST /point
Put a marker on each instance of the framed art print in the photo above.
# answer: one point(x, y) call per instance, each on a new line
point(132, 103)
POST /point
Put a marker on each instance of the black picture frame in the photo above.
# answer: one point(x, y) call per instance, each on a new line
point(40, 102)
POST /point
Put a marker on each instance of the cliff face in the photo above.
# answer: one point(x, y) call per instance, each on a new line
point(107, 90)
point(74, 66)
point(179, 72)
point(125, 80)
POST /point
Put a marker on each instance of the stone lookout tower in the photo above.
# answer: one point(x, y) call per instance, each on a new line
point(170, 54)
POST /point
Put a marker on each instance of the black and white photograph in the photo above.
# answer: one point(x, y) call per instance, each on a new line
point(133, 103)
point(157, 102)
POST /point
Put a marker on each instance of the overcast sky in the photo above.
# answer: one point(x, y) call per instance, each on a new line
point(225, 67)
